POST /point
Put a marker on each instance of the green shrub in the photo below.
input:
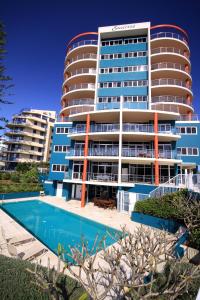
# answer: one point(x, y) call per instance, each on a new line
point(30, 176)
point(15, 177)
point(6, 176)
point(19, 284)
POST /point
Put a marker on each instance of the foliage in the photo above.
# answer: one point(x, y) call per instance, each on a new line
point(140, 265)
point(4, 79)
point(24, 167)
point(17, 283)
point(31, 176)
point(15, 177)
point(182, 206)
point(6, 176)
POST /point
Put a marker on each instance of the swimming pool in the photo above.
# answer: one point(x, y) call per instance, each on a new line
point(52, 225)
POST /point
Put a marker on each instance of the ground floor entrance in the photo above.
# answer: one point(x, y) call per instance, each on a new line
point(76, 191)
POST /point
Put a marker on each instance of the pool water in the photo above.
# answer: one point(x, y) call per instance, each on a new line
point(52, 225)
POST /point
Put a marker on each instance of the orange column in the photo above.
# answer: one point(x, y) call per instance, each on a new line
point(84, 177)
point(156, 148)
point(189, 116)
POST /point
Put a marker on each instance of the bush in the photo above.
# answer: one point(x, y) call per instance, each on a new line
point(30, 176)
point(6, 176)
point(160, 207)
point(17, 283)
point(15, 177)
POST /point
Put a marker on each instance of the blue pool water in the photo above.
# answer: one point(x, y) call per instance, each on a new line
point(52, 225)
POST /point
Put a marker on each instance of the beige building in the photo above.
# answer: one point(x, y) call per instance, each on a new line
point(30, 134)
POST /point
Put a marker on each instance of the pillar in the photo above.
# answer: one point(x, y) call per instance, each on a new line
point(85, 163)
point(157, 179)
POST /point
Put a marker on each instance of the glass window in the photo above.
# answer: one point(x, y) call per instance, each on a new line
point(195, 151)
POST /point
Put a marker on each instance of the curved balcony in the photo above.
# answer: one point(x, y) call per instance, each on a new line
point(169, 85)
point(77, 75)
point(80, 90)
point(78, 109)
point(170, 53)
point(82, 44)
point(169, 39)
point(171, 99)
point(84, 101)
point(81, 59)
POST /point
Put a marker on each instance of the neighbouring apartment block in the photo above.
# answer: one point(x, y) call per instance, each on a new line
point(29, 137)
point(127, 118)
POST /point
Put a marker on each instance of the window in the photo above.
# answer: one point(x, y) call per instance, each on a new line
point(108, 99)
point(116, 84)
point(35, 122)
point(33, 139)
point(187, 130)
point(31, 156)
point(188, 151)
point(135, 98)
point(59, 168)
point(61, 148)
point(135, 83)
point(34, 131)
point(62, 130)
point(32, 147)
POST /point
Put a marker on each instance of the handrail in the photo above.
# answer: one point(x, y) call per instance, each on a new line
point(168, 35)
point(82, 56)
point(169, 98)
point(169, 81)
point(102, 176)
point(165, 107)
point(81, 86)
point(188, 118)
point(104, 127)
point(168, 65)
point(169, 50)
point(83, 101)
point(91, 71)
point(82, 43)
point(80, 109)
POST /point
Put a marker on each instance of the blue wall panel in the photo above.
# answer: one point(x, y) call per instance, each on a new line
point(123, 62)
point(130, 91)
point(123, 48)
point(123, 76)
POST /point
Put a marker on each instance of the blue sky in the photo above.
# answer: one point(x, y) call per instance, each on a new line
point(38, 32)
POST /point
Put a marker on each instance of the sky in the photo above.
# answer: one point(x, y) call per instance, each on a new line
point(38, 32)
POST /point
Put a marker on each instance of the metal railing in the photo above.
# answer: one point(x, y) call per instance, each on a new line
point(103, 177)
point(128, 127)
point(165, 107)
point(132, 178)
point(82, 56)
point(90, 86)
point(107, 151)
point(169, 98)
point(169, 50)
point(91, 71)
point(169, 81)
point(131, 152)
point(168, 35)
point(168, 65)
point(89, 101)
point(188, 118)
point(82, 43)
point(80, 109)
point(104, 127)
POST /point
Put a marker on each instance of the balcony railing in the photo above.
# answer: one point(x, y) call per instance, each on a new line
point(91, 71)
point(81, 86)
point(168, 65)
point(80, 109)
point(168, 35)
point(169, 98)
point(104, 127)
point(188, 118)
point(165, 107)
point(133, 178)
point(83, 56)
point(169, 50)
point(128, 127)
point(83, 43)
point(85, 101)
point(103, 177)
point(128, 152)
point(169, 81)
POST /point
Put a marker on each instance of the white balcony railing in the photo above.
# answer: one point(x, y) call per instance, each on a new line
point(84, 101)
point(89, 86)
point(102, 177)
point(169, 81)
point(83, 56)
point(83, 43)
point(169, 50)
point(168, 65)
point(169, 98)
point(91, 71)
point(168, 35)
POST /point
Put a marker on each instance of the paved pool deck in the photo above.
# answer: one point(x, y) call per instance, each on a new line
point(107, 217)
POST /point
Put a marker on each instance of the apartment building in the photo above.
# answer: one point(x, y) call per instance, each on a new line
point(127, 119)
point(29, 137)
point(3, 148)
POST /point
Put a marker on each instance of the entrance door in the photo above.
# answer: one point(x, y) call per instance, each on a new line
point(59, 189)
